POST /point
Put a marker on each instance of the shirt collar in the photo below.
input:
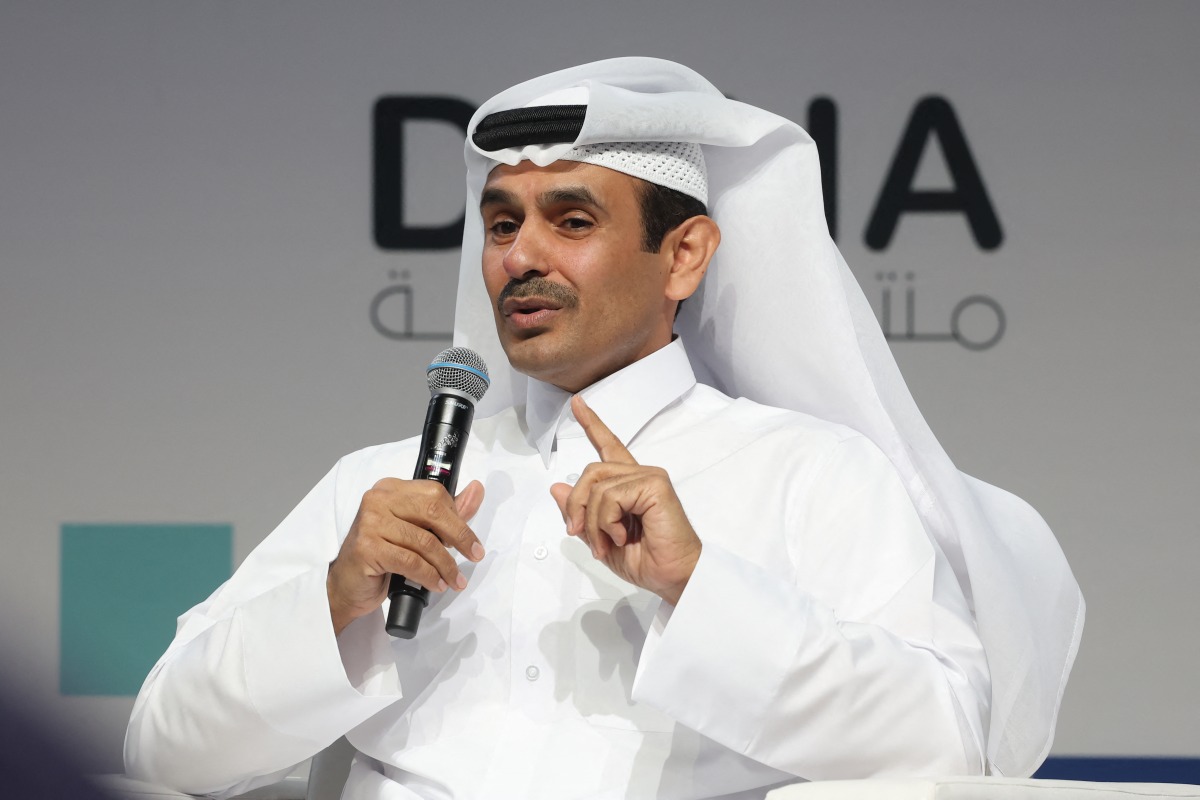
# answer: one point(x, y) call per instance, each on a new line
point(625, 400)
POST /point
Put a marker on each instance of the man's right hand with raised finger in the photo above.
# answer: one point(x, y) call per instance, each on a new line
point(402, 528)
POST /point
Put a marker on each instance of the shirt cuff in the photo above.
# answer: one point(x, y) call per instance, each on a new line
point(726, 645)
point(295, 672)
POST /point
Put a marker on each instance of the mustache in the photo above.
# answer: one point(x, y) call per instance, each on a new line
point(537, 287)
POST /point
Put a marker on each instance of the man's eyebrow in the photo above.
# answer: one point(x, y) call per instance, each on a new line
point(569, 194)
point(497, 197)
point(581, 195)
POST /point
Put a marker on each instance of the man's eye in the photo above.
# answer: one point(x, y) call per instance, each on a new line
point(504, 227)
point(576, 223)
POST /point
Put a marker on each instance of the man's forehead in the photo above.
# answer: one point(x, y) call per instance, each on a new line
point(527, 176)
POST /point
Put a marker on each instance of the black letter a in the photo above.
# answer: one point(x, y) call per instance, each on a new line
point(933, 115)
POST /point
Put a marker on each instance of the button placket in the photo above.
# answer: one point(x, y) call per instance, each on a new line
point(574, 454)
point(535, 607)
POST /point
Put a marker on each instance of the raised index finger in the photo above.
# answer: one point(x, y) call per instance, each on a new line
point(605, 441)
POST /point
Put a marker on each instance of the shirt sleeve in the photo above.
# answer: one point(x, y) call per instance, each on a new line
point(857, 659)
point(255, 681)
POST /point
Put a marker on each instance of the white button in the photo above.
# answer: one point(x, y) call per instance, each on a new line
point(574, 476)
point(532, 673)
point(540, 552)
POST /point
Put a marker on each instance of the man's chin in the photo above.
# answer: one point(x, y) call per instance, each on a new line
point(537, 358)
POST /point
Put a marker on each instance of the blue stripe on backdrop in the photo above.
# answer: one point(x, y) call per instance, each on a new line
point(1124, 770)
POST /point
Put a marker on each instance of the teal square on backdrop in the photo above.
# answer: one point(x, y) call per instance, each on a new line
point(122, 587)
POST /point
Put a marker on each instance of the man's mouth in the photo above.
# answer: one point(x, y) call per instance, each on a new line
point(532, 303)
point(528, 305)
point(529, 312)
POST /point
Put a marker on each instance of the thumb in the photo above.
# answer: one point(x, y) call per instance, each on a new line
point(469, 500)
point(560, 492)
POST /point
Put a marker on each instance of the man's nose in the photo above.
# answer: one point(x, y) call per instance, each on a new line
point(527, 255)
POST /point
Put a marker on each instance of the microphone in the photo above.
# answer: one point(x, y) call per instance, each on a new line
point(458, 379)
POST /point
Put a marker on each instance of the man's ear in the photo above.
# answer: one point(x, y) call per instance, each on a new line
point(690, 246)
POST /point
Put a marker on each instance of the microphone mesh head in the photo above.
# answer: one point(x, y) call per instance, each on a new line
point(458, 368)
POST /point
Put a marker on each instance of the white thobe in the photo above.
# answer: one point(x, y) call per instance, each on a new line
point(822, 634)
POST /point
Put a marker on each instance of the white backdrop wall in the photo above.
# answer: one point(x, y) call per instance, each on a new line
point(187, 267)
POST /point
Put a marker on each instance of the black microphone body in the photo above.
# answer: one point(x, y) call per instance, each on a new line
point(443, 443)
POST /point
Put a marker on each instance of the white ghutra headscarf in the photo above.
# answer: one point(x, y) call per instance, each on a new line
point(780, 319)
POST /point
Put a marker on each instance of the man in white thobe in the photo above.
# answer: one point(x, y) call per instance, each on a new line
point(646, 588)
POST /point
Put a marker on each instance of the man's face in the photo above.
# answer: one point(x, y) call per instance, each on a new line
point(575, 296)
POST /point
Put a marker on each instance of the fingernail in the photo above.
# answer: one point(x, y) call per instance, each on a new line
point(441, 587)
point(476, 551)
point(461, 581)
